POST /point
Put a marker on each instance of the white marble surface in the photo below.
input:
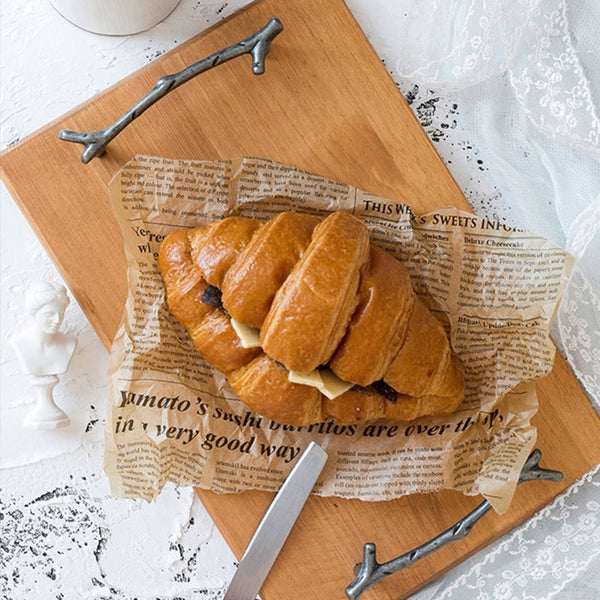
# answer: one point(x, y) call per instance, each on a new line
point(63, 536)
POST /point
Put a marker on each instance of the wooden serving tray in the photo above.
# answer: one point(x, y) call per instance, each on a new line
point(325, 104)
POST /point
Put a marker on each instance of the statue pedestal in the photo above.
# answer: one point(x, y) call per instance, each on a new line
point(45, 414)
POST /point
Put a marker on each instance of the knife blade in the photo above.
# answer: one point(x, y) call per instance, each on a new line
point(273, 530)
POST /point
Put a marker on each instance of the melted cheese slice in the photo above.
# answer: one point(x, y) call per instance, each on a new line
point(249, 336)
point(325, 380)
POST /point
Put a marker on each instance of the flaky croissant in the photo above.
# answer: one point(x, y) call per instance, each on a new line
point(318, 295)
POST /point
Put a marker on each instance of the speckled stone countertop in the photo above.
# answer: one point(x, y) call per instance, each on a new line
point(63, 535)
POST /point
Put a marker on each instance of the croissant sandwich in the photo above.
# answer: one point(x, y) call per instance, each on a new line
point(308, 320)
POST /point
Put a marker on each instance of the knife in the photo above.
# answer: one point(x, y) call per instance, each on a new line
point(273, 530)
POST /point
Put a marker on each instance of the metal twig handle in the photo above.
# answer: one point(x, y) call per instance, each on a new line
point(257, 45)
point(370, 571)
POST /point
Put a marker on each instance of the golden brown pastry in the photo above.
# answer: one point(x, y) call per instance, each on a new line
point(311, 311)
point(321, 300)
point(251, 283)
point(378, 327)
point(209, 328)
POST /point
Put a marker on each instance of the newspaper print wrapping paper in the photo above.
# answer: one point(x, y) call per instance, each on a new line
point(171, 417)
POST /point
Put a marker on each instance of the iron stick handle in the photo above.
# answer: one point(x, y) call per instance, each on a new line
point(257, 45)
point(370, 571)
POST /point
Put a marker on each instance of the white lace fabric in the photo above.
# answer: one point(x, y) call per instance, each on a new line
point(508, 91)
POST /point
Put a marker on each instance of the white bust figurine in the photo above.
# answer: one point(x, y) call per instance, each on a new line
point(44, 352)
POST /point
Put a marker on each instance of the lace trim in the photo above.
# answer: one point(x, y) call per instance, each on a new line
point(575, 331)
point(550, 77)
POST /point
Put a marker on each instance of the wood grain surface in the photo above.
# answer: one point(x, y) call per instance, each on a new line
point(325, 104)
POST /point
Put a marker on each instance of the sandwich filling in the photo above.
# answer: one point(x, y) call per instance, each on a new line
point(322, 378)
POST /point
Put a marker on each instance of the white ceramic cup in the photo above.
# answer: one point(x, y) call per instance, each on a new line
point(114, 17)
